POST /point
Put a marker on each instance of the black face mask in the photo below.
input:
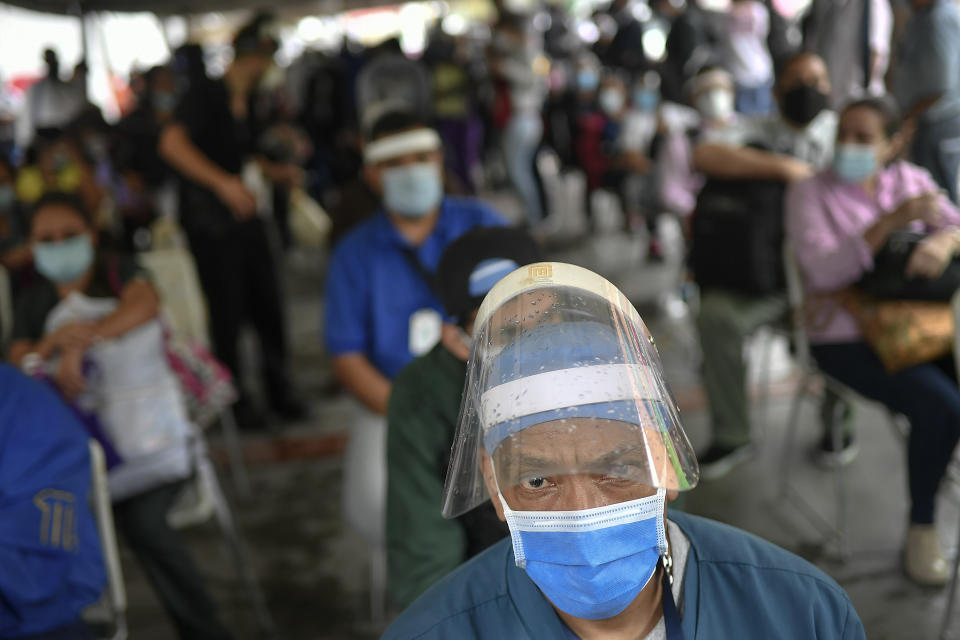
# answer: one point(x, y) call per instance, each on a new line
point(802, 104)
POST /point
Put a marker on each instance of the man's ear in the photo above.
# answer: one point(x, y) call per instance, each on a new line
point(371, 173)
point(486, 468)
point(672, 495)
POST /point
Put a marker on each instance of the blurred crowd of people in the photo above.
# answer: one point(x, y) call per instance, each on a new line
point(841, 126)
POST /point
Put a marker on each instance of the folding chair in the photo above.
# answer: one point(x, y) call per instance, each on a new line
point(116, 596)
point(835, 532)
point(6, 310)
point(203, 499)
point(175, 276)
point(955, 575)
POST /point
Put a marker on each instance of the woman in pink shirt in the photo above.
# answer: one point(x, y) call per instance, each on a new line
point(836, 223)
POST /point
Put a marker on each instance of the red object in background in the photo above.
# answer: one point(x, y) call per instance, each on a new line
point(589, 148)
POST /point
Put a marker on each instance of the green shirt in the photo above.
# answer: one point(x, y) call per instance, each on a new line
point(423, 546)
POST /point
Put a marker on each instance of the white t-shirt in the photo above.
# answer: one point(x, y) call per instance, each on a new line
point(813, 143)
point(745, 52)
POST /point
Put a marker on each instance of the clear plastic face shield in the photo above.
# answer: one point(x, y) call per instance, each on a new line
point(564, 382)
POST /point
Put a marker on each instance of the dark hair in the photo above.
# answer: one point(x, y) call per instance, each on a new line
point(395, 122)
point(789, 61)
point(885, 106)
point(254, 38)
point(61, 199)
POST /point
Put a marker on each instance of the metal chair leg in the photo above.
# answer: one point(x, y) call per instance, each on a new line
point(790, 437)
point(231, 438)
point(238, 550)
point(378, 585)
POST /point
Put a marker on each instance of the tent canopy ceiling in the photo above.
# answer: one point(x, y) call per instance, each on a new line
point(177, 7)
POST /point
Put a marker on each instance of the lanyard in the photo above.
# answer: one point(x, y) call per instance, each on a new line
point(671, 617)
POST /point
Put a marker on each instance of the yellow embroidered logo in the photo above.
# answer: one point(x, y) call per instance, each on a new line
point(542, 271)
point(58, 526)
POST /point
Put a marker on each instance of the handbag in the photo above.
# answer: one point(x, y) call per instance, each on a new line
point(889, 281)
point(903, 333)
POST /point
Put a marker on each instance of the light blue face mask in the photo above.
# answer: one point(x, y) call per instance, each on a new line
point(66, 261)
point(854, 162)
point(587, 80)
point(412, 191)
point(646, 99)
point(591, 563)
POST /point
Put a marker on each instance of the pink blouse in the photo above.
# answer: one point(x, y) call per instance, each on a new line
point(826, 220)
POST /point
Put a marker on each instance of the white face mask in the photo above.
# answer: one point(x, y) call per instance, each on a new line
point(611, 101)
point(715, 105)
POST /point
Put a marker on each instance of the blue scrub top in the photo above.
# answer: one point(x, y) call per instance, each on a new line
point(50, 561)
point(735, 586)
point(373, 288)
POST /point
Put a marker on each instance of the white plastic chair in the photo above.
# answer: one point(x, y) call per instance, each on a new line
point(116, 600)
point(364, 498)
point(6, 310)
point(810, 373)
point(955, 576)
point(174, 274)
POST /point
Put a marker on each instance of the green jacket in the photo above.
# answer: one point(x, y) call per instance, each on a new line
point(423, 546)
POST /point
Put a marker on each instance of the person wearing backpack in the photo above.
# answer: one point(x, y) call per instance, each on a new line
point(792, 145)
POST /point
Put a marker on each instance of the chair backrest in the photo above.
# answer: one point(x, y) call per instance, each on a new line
point(6, 309)
point(175, 276)
point(103, 510)
point(795, 298)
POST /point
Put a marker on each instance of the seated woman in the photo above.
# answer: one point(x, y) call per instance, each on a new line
point(836, 223)
point(90, 310)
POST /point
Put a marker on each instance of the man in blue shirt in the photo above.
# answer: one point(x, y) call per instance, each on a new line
point(567, 424)
point(50, 562)
point(381, 308)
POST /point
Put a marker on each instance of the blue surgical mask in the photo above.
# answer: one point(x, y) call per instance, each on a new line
point(646, 99)
point(412, 191)
point(592, 563)
point(587, 80)
point(66, 261)
point(8, 197)
point(854, 162)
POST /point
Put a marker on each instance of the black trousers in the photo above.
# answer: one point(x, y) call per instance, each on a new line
point(167, 563)
point(239, 278)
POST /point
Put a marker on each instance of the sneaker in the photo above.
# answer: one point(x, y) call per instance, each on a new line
point(923, 559)
point(826, 457)
point(718, 461)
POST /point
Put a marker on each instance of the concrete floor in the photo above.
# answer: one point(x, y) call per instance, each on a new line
point(314, 572)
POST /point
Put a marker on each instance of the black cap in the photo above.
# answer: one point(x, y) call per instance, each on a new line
point(462, 286)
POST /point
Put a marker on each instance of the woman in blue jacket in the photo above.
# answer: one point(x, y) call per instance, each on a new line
point(567, 424)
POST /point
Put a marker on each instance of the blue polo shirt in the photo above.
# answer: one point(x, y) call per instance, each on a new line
point(50, 561)
point(373, 288)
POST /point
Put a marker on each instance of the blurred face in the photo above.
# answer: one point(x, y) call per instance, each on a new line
point(808, 70)
point(56, 223)
point(575, 464)
point(864, 126)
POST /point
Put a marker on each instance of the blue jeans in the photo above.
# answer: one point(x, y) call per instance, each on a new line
point(521, 138)
point(926, 394)
point(754, 100)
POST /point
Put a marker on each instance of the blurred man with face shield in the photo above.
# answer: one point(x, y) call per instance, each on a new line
point(567, 424)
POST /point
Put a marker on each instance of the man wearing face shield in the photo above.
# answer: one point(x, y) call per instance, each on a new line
point(382, 309)
point(567, 424)
point(794, 144)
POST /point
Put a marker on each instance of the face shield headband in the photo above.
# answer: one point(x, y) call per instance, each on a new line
point(414, 141)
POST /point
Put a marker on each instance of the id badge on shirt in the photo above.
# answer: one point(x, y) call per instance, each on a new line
point(425, 328)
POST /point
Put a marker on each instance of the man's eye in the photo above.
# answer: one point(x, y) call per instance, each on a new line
point(534, 483)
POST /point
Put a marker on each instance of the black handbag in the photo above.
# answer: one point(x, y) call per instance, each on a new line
point(888, 280)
